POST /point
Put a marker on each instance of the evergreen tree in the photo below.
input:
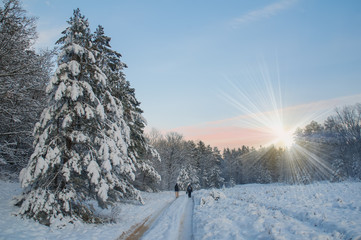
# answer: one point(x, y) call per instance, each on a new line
point(215, 172)
point(188, 175)
point(226, 168)
point(233, 168)
point(200, 163)
point(81, 141)
point(139, 150)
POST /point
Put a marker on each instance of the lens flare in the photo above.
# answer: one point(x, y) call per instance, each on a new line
point(283, 137)
point(262, 109)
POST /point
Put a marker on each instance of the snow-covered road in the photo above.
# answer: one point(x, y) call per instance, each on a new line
point(174, 223)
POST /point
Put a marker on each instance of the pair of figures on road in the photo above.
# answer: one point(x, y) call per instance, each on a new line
point(189, 190)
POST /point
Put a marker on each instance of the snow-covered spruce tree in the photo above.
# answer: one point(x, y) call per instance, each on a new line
point(81, 140)
point(215, 179)
point(140, 151)
point(188, 175)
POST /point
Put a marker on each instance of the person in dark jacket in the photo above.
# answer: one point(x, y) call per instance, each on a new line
point(189, 190)
point(176, 189)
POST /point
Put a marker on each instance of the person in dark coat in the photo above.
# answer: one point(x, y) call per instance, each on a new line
point(176, 189)
point(189, 190)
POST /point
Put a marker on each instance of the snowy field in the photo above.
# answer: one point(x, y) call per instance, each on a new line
point(316, 211)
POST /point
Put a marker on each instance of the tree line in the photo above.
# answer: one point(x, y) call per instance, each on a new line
point(328, 151)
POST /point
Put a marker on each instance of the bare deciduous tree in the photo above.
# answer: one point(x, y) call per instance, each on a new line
point(23, 75)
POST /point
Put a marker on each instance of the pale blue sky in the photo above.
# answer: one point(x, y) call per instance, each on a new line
point(183, 55)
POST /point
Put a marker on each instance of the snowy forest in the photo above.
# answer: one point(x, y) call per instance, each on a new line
point(72, 130)
point(328, 151)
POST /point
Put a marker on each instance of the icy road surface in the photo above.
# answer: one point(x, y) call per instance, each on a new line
point(174, 223)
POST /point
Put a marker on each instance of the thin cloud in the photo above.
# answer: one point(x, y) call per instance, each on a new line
point(48, 37)
point(237, 131)
point(265, 12)
point(318, 111)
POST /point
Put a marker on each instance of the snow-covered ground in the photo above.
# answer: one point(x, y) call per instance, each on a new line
point(316, 211)
point(128, 215)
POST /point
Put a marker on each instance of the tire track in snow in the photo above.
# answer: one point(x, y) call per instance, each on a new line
point(174, 223)
point(137, 230)
point(186, 225)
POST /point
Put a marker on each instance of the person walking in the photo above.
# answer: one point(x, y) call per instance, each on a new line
point(189, 190)
point(176, 190)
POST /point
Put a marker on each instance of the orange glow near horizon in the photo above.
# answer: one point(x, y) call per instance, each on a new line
point(235, 137)
point(237, 131)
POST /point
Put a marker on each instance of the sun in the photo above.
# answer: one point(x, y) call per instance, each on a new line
point(283, 137)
